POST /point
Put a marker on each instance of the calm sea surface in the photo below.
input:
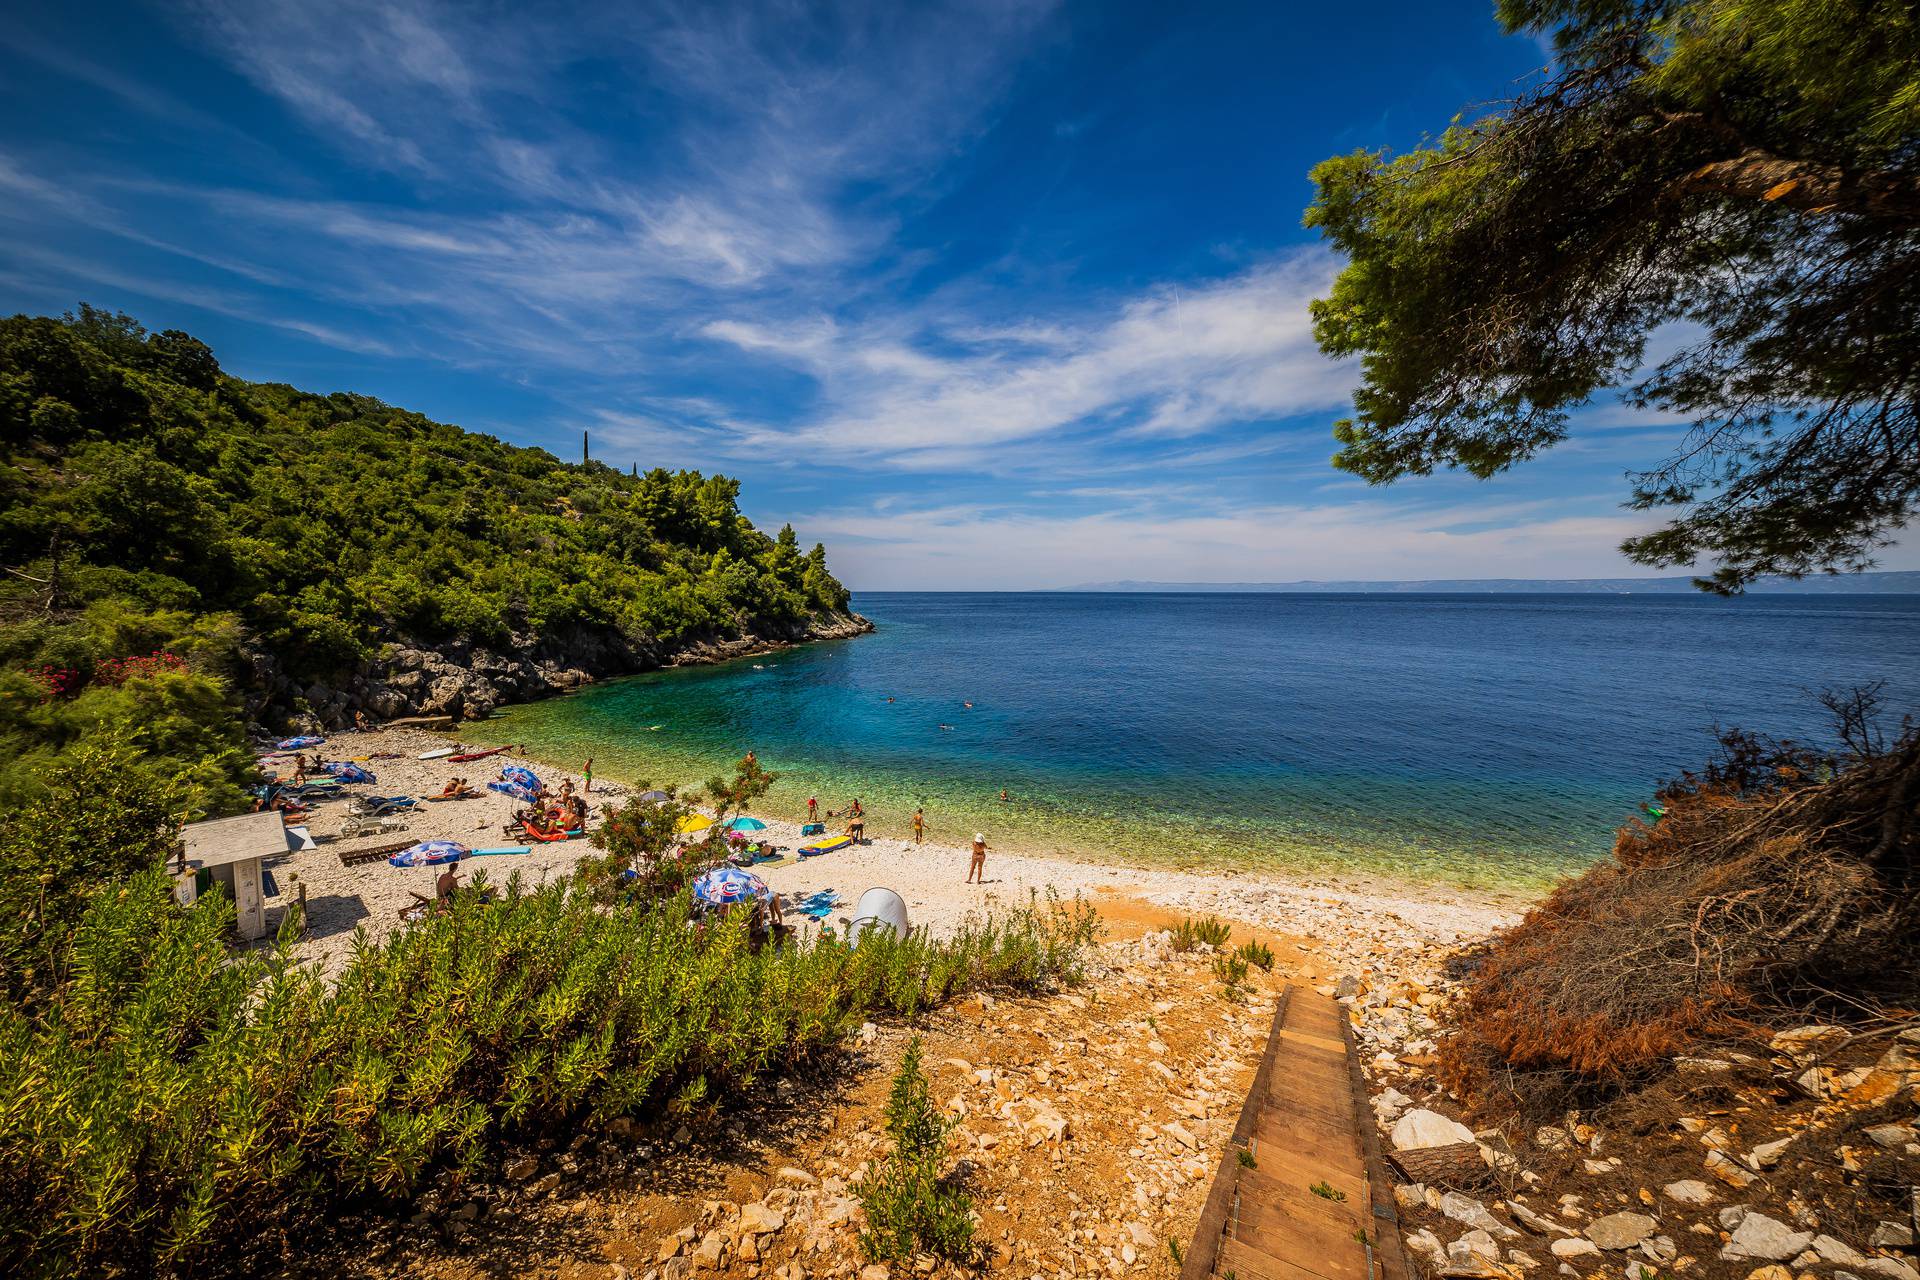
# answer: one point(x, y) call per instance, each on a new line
point(1478, 739)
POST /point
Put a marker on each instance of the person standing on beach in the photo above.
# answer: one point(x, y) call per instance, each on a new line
point(919, 826)
point(587, 773)
point(813, 808)
point(977, 866)
point(857, 827)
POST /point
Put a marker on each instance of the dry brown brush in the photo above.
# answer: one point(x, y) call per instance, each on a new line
point(1777, 881)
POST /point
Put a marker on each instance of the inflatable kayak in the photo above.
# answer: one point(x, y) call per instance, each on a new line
point(467, 756)
point(819, 847)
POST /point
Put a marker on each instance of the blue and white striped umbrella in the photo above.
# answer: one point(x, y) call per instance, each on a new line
point(429, 853)
point(519, 773)
point(724, 885)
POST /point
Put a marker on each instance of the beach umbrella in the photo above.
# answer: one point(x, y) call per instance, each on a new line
point(347, 771)
point(652, 797)
point(693, 822)
point(522, 775)
point(513, 789)
point(724, 885)
point(744, 823)
point(429, 853)
point(295, 744)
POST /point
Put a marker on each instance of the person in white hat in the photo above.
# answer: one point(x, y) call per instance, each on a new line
point(977, 868)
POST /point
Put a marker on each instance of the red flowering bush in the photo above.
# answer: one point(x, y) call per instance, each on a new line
point(117, 671)
point(59, 682)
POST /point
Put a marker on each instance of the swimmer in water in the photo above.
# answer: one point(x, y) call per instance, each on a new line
point(1004, 797)
point(967, 705)
point(946, 726)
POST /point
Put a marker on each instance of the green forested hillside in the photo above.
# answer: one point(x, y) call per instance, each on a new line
point(162, 523)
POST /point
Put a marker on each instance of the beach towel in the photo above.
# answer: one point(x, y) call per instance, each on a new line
point(815, 906)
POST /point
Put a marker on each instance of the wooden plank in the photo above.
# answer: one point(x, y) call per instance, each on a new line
point(354, 857)
point(1210, 1231)
point(1301, 1126)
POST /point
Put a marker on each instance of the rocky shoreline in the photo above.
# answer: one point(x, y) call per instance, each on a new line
point(465, 681)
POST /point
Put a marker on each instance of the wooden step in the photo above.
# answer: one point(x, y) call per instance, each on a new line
point(1303, 1127)
point(1245, 1263)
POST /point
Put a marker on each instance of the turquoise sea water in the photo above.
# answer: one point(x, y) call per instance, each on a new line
point(1476, 739)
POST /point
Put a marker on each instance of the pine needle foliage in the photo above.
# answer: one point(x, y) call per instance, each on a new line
point(1777, 886)
point(910, 1206)
point(179, 1108)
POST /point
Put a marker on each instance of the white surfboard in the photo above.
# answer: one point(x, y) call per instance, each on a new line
point(437, 754)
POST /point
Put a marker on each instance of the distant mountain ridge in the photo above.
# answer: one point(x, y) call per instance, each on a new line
point(1898, 582)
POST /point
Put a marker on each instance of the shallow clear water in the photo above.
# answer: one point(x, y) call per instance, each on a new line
point(1478, 739)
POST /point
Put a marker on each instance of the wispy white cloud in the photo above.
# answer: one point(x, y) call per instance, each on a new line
point(1166, 364)
point(963, 547)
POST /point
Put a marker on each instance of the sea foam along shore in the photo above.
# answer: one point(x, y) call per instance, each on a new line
point(1350, 918)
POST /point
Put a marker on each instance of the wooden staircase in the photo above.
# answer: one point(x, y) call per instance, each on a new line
point(1314, 1203)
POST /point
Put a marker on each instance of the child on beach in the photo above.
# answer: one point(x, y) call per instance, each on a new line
point(977, 865)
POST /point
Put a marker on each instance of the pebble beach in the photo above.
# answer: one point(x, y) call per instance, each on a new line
point(1348, 917)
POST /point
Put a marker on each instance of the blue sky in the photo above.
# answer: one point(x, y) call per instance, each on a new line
point(991, 296)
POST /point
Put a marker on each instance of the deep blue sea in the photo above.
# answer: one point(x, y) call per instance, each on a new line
point(1478, 739)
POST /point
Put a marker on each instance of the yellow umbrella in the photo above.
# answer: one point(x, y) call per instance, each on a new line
point(693, 822)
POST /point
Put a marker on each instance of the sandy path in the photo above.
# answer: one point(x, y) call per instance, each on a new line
point(1352, 920)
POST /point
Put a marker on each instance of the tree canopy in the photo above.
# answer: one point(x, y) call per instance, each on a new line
point(161, 523)
point(1742, 176)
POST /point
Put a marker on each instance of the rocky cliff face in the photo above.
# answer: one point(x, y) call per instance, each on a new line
point(467, 681)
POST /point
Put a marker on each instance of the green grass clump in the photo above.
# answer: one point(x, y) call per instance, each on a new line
point(1230, 969)
point(1257, 954)
point(1195, 930)
point(175, 1106)
point(1327, 1192)
point(910, 1206)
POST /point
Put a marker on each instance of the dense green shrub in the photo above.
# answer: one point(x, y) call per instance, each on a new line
point(179, 1105)
point(99, 818)
point(910, 1205)
point(149, 502)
